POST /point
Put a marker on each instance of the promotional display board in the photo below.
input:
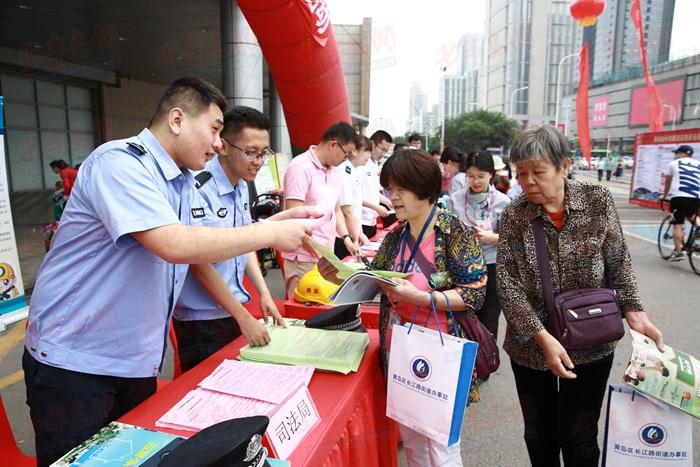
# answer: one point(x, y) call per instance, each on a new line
point(13, 305)
point(652, 154)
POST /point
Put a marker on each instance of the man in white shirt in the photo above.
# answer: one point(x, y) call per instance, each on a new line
point(373, 202)
point(682, 184)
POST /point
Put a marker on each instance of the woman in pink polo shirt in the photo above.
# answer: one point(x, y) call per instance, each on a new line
point(441, 254)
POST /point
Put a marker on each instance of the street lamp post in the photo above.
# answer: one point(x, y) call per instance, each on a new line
point(672, 115)
point(512, 99)
point(566, 119)
point(561, 62)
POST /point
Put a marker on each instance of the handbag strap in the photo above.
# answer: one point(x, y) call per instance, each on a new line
point(543, 263)
point(450, 314)
point(434, 312)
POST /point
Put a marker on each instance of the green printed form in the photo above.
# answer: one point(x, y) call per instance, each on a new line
point(346, 270)
point(339, 351)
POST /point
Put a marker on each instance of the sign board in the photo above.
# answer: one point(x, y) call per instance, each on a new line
point(652, 154)
point(291, 422)
point(13, 305)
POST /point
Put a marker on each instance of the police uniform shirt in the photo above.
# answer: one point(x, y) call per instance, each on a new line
point(370, 191)
point(350, 193)
point(102, 302)
point(227, 206)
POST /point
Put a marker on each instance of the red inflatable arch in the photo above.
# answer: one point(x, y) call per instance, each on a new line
point(297, 41)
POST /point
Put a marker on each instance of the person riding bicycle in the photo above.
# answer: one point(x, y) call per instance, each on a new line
point(682, 184)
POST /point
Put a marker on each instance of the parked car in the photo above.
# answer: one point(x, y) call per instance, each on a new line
point(627, 162)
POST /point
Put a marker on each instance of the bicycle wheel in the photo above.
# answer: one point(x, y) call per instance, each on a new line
point(694, 252)
point(665, 238)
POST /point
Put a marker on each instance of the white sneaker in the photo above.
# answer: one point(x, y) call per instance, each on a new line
point(676, 256)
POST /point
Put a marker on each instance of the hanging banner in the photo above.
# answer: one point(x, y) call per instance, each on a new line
point(652, 154)
point(656, 108)
point(582, 122)
point(13, 305)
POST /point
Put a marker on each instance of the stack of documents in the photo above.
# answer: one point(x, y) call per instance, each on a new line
point(339, 351)
point(235, 389)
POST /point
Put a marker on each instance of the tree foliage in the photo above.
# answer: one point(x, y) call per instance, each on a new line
point(480, 129)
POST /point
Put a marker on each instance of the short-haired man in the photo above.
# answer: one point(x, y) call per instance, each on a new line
point(414, 141)
point(351, 173)
point(201, 326)
point(374, 202)
point(682, 184)
point(97, 336)
point(312, 180)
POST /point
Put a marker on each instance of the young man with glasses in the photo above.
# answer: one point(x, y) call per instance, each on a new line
point(374, 203)
point(201, 325)
point(312, 180)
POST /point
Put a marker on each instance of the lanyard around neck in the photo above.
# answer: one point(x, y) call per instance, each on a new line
point(489, 207)
point(416, 245)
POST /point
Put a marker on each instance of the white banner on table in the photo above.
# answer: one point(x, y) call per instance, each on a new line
point(13, 304)
point(291, 422)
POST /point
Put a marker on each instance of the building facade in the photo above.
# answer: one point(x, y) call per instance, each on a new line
point(618, 108)
point(525, 42)
point(355, 44)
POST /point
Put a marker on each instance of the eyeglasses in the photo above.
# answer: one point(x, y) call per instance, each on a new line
point(263, 155)
point(347, 154)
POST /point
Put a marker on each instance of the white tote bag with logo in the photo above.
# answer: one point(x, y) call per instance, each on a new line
point(641, 433)
point(429, 377)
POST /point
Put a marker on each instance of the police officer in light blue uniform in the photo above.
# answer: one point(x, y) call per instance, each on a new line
point(106, 290)
point(201, 326)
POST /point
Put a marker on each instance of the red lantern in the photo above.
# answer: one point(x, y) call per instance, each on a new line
point(586, 12)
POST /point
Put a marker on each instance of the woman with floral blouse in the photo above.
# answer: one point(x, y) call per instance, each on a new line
point(432, 244)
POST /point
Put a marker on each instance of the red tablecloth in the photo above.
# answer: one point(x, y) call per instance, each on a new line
point(354, 430)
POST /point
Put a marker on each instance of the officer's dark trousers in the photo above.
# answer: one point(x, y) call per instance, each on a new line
point(562, 414)
point(67, 407)
point(199, 339)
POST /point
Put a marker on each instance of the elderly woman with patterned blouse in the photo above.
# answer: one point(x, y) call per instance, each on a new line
point(560, 392)
point(430, 243)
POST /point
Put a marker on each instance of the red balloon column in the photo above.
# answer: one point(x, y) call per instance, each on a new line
point(586, 12)
point(297, 41)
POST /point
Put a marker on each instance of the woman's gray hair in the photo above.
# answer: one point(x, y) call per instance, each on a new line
point(542, 142)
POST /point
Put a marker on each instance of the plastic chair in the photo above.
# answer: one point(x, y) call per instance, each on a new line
point(11, 454)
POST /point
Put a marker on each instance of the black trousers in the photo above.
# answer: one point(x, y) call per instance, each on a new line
point(562, 414)
point(67, 407)
point(491, 311)
point(369, 231)
point(198, 340)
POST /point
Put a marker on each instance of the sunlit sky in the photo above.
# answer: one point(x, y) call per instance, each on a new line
point(414, 39)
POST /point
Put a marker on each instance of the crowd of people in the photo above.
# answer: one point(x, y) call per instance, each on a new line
point(146, 241)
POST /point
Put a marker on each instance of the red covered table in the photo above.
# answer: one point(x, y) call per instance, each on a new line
point(353, 430)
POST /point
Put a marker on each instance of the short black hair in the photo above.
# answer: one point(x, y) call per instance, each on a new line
point(450, 154)
point(240, 117)
point(342, 132)
point(435, 152)
point(482, 160)
point(58, 163)
point(413, 170)
point(381, 135)
point(414, 137)
point(398, 147)
point(194, 95)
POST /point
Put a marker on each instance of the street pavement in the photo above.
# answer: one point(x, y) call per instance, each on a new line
point(492, 431)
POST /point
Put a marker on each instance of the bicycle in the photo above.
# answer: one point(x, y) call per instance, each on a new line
point(691, 244)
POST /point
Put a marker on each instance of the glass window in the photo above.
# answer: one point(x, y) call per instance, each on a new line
point(20, 115)
point(52, 118)
point(50, 93)
point(81, 145)
point(18, 88)
point(79, 97)
point(25, 160)
point(54, 145)
point(80, 120)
